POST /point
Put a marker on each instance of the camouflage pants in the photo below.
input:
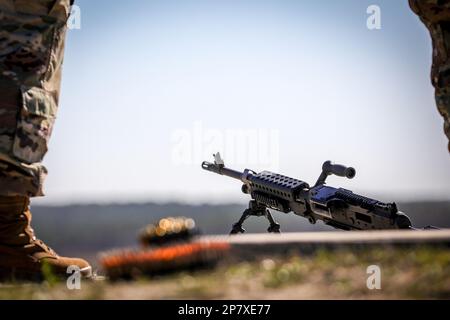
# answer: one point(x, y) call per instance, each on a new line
point(435, 14)
point(32, 34)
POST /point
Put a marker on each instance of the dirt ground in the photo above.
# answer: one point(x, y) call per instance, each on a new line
point(421, 273)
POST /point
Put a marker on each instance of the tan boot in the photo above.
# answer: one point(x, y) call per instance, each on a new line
point(22, 256)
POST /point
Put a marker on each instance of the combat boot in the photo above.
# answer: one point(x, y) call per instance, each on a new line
point(22, 255)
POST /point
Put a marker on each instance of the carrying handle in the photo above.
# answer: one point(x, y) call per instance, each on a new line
point(339, 170)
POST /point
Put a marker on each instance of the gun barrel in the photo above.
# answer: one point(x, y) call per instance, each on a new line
point(222, 170)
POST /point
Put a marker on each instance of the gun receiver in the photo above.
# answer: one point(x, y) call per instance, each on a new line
point(337, 207)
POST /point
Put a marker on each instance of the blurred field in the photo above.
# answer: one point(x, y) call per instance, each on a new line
point(420, 273)
point(85, 230)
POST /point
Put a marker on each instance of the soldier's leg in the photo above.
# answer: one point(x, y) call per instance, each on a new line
point(436, 16)
point(32, 35)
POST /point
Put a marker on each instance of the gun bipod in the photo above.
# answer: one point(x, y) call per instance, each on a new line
point(257, 210)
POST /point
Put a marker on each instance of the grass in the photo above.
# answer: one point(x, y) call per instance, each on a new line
point(419, 273)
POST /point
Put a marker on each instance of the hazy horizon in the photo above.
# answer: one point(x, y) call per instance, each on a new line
point(231, 199)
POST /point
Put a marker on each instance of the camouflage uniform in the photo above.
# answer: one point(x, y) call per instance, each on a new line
point(435, 14)
point(32, 34)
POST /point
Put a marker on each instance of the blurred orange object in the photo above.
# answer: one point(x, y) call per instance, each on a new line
point(128, 264)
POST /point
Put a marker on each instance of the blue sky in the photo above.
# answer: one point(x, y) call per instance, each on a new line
point(139, 72)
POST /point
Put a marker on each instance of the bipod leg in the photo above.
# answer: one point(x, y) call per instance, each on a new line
point(237, 227)
point(274, 226)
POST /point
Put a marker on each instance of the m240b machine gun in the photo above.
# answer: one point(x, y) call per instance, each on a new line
point(337, 207)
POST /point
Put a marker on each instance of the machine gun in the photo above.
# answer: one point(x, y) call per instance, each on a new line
point(337, 207)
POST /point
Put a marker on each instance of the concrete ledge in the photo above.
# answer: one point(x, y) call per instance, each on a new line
point(249, 245)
